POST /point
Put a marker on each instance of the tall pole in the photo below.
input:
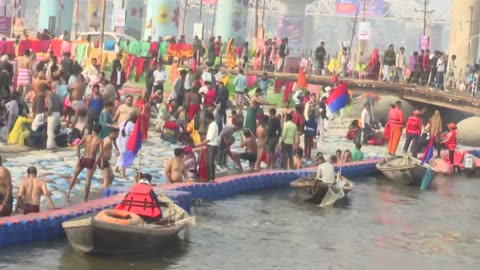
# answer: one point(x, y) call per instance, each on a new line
point(256, 18)
point(214, 17)
point(263, 14)
point(200, 13)
point(184, 19)
point(470, 35)
point(102, 32)
point(425, 3)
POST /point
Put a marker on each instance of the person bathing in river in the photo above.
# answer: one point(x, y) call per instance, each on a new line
point(93, 144)
point(297, 160)
point(104, 164)
point(250, 154)
point(30, 192)
point(142, 200)
point(325, 171)
point(175, 169)
point(6, 198)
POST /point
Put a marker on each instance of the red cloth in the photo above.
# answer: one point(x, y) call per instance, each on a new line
point(56, 47)
point(153, 49)
point(288, 91)
point(298, 120)
point(23, 46)
point(202, 168)
point(140, 64)
point(129, 62)
point(44, 45)
point(426, 62)
point(7, 47)
point(302, 80)
point(251, 80)
point(35, 46)
point(210, 97)
point(144, 117)
point(386, 131)
point(139, 201)
point(192, 110)
point(278, 86)
point(414, 125)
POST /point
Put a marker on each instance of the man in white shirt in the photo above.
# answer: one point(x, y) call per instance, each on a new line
point(450, 79)
point(159, 77)
point(400, 64)
point(211, 141)
point(366, 119)
point(325, 171)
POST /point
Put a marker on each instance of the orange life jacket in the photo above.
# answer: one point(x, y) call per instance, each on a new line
point(139, 201)
point(395, 117)
point(414, 125)
point(451, 142)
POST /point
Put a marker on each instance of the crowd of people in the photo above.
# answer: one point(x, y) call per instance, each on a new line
point(99, 119)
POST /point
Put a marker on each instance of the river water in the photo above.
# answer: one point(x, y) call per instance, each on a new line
point(382, 225)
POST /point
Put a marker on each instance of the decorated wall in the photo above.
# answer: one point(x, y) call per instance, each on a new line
point(162, 18)
point(231, 19)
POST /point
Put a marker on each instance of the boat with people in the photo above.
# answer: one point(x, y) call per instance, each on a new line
point(314, 191)
point(405, 169)
point(118, 232)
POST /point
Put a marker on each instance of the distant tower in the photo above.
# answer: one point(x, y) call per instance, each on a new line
point(464, 31)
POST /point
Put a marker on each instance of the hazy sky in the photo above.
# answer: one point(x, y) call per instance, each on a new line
point(440, 5)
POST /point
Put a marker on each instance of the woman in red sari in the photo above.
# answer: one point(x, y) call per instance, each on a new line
point(373, 66)
point(144, 109)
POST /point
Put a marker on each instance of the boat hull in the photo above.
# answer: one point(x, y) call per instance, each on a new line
point(312, 191)
point(113, 239)
point(410, 174)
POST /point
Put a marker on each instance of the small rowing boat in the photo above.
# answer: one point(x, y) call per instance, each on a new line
point(310, 190)
point(404, 169)
point(117, 232)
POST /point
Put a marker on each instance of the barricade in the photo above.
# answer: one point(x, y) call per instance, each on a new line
point(47, 224)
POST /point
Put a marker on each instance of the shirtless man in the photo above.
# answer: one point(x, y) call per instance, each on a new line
point(6, 198)
point(261, 140)
point(175, 169)
point(77, 92)
point(125, 111)
point(250, 145)
point(24, 73)
point(30, 191)
point(107, 172)
point(39, 85)
point(92, 144)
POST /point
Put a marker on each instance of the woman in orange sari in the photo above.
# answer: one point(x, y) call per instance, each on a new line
point(231, 58)
point(144, 109)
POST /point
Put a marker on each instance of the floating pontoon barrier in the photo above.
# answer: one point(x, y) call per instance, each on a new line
point(47, 225)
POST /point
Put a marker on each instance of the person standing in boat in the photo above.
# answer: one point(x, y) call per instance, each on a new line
point(396, 120)
point(434, 128)
point(142, 200)
point(325, 171)
point(450, 142)
point(30, 192)
point(414, 129)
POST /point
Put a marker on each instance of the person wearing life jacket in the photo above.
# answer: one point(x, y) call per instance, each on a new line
point(396, 121)
point(450, 142)
point(142, 200)
point(413, 131)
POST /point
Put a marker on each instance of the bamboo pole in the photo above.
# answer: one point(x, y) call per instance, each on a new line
point(102, 32)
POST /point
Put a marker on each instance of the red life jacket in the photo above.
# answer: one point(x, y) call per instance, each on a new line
point(451, 142)
point(139, 201)
point(395, 117)
point(414, 125)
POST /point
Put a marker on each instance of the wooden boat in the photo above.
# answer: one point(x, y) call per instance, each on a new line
point(404, 169)
point(310, 190)
point(90, 235)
